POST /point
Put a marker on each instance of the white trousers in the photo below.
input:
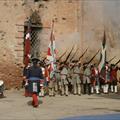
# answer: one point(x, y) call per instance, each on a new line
point(97, 89)
point(77, 89)
point(105, 88)
point(64, 89)
point(114, 88)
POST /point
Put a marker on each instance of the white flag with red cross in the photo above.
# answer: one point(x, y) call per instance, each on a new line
point(51, 53)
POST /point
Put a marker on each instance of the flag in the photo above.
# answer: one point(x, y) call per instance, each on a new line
point(27, 47)
point(51, 53)
point(103, 53)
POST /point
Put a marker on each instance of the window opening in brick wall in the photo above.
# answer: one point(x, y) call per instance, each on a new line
point(34, 41)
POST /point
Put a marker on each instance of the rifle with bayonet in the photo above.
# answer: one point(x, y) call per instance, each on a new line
point(74, 54)
point(117, 62)
point(62, 55)
point(80, 58)
point(69, 55)
point(111, 59)
point(43, 61)
point(92, 57)
point(82, 54)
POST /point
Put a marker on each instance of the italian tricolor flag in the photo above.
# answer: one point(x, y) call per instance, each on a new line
point(103, 53)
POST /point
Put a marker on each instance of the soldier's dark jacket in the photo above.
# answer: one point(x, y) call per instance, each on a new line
point(34, 71)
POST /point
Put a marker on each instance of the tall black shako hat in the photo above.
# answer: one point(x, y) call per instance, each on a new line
point(35, 60)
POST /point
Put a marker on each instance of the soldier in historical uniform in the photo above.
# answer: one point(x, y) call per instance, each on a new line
point(70, 74)
point(76, 79)
point(86, 79)
point(92, 79)
point(51, 82)
point(34, 75)
point(64, 80)
point(57, 76)
point(118, 74)
point(52, 85)
point(47, 79)
point(113, 78)
point(105, 78)
point(95, 84)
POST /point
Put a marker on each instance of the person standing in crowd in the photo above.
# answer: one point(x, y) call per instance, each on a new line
point(70, 74)
point(51, 83)
point(34, 75)
point(64, 81)
point(86, 79)
point(105, 78)
point(76, 79)
point(97, 80)
point(118, 74)
point(95, 85)
point(113, 78)
point(57, 76)
point(47, 78)
point(92, 79)
point(52, 86)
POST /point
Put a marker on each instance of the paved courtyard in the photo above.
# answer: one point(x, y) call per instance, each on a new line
point(16, 107)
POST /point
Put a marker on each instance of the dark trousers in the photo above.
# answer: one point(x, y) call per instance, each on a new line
point(87, 88)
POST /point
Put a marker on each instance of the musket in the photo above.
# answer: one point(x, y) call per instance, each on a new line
point(80, 57)
point(111, 59)
point(93, 57)
point(62, 55)
point(44, 60)
point(82, 54)
point(69, 54)
point(117, 62)
point(74, 54)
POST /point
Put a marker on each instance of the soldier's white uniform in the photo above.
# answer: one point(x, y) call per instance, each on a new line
point(58, 81)
point(118, 75)
point(76, 80)
point(64, 81)
point(86, 80)
point(52, 84)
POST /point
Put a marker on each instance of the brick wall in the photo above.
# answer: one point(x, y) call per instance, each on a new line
point(76, 22)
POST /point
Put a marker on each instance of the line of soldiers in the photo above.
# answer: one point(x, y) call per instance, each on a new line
point(76, 78)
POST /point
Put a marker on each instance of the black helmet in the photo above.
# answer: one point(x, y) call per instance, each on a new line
point(35, 60)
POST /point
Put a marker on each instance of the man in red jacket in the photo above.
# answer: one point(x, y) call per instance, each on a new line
point(113, 78)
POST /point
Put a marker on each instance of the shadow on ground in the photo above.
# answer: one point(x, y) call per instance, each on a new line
point(30, 102)
point(110, 96)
